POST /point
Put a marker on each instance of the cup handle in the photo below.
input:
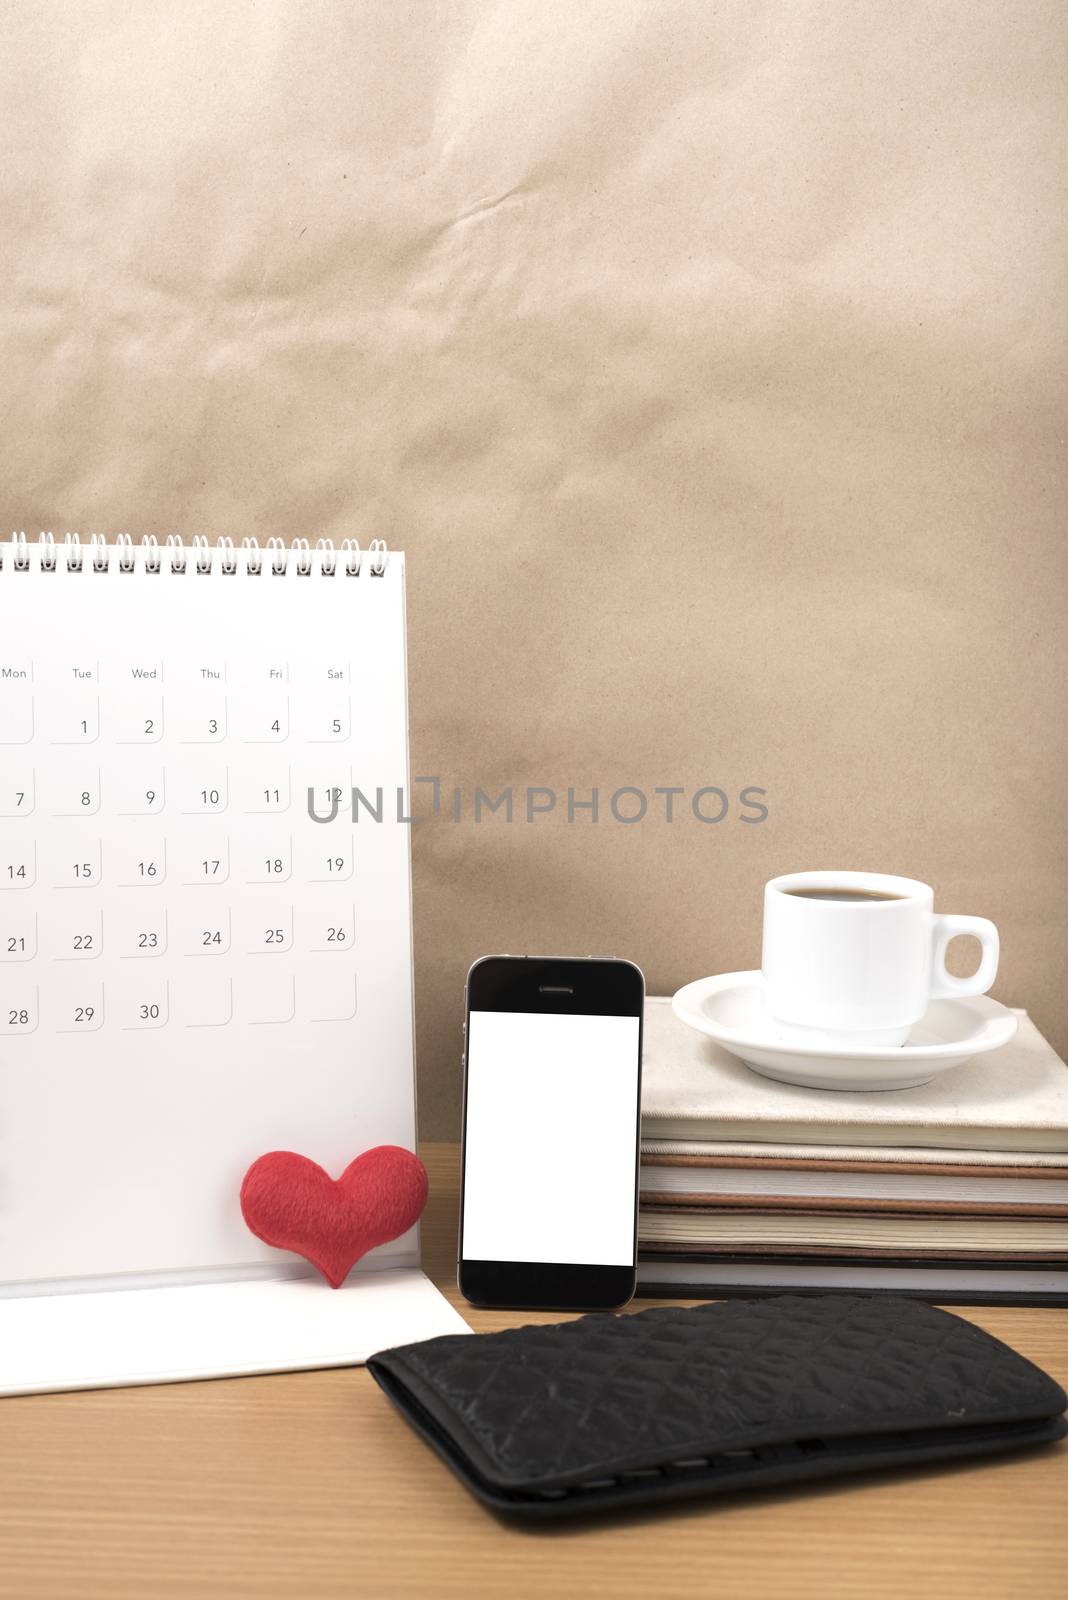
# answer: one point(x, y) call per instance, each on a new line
point(943, 984)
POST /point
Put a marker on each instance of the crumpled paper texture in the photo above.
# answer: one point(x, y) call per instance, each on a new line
point(708, 362)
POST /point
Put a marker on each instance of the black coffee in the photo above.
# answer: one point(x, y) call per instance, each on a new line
point(852, 896)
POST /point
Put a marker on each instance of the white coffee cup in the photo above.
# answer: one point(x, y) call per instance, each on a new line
point(847, 971)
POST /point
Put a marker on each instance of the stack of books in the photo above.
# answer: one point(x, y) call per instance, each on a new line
point(956, 1191)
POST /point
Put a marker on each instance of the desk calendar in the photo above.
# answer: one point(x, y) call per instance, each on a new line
point(193, 970)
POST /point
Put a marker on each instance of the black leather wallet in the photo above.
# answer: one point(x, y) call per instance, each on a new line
point(613, 1411)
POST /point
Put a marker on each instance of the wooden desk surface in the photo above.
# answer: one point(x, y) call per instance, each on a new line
point(308, 1484)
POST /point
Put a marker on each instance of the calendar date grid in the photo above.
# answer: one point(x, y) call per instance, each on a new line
point(166, 885)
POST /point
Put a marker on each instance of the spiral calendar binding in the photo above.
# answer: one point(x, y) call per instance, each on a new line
point(148, 555)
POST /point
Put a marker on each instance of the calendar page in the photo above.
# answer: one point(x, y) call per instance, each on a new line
point(195, 970)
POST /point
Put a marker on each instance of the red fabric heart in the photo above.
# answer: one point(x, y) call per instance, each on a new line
point(291, 1203)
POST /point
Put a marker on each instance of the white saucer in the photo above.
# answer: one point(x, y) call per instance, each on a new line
point(730, 1010)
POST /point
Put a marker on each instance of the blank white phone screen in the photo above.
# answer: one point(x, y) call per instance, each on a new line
point(550, 1138)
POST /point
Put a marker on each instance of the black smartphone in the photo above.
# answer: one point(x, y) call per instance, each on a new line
point(552, 1103)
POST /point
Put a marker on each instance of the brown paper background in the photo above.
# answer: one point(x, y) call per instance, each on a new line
point(707, 362)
